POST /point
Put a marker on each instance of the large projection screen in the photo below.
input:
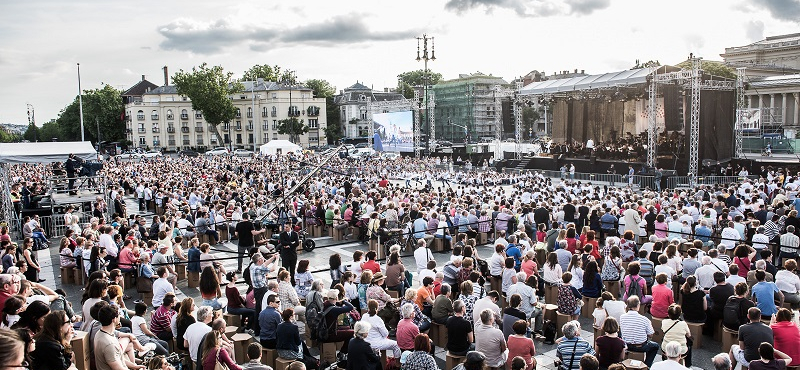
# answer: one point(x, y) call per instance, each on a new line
point(396, 130)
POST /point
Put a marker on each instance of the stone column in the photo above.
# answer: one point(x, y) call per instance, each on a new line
point(783, 109)
point(796, 109)
point(771, 110)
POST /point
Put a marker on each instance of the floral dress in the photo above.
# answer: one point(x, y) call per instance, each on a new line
point(611, 269)
point(469, 303)
point(377, 293)
point(627, 249)
point(303, 282)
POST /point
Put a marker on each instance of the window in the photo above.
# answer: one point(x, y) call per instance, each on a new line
point(249, 138)
point(154, 114)
point(227, 138)
point(184, 114)
point(171, 140)
point(185, 139)
point(170, 128)
point(274, 136)
point(313, 123)
point(294, 111)
point(274, 111)
point(238, 125)
point(156, 129)
point(313, 139)
point(312, 111)
point(274, 124)
point(226, 126)
point(250, 125)
point(156, 142)
point(265, 125)
point(304, 95)
point(142, 140)
point(169, 114)
point(141, 128)
point(249, 112)
point(362, 97)
point(243, 97)
point(274, 95)
point(238, 138)
point(265, 138)
point(198, 115)
point(264, 112)
point(363, 114)
point(140, 115)
point(238, 112)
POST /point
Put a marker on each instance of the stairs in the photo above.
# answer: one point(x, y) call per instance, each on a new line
point(523, 164)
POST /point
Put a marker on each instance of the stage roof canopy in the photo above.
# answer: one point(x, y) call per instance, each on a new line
point(606, 80)
point(45, 152)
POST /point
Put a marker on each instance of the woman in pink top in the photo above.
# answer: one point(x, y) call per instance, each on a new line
point(529, 263)
point(634, 278)
point(661, 227)
point(127, 260)
point(520, 345)
point(786, 335)
point(662, 297)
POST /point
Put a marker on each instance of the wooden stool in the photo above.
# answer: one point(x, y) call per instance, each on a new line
point(194, 279)
point(180, 270)
point(550, 293)
point(77, 276)
point(658, 332)
point(598, 332)
point(438, 244)
point(268, 356)
point(240, 343)
point(729, 338)
point(337, 234)
point(130, 279)
point(639, 356)
point(282, 363)
point(315, 231)
point(148, 299)
point(588, 306)
point(561, 319)
point(550, 311)
point(80, 347)
point(223, 233)
point(232, 320)
point(452, 360)
point(639, 365)
point(329, 351)
point(612, 287)
point(483, 238)
point(230, 331)
point(439, 332)
point(203, 238)
point(717, 326)
point(496, 283)
point(697, 334)
point(67, 276)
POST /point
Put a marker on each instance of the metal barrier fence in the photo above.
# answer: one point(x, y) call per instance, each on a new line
point(687, 181)
point(54, 225)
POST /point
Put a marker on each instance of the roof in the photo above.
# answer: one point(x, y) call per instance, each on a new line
point(775, 81)
point(606, 80)
point(248, 86)
point(140, 88)
point(375, 96)
point(475, 78)
point(772, 42)
point(45, 152)
point(357, 86)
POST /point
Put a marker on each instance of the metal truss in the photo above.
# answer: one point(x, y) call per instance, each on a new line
point(741, 105)
point(417, 128)
point(517, 104)
point(694, 135)
point(652, 129)
point(430, 111)
point(498, 107)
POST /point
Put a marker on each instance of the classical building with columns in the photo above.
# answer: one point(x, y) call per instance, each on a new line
point(772, 76)
point(160, 118)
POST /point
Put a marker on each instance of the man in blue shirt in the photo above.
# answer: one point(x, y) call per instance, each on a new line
point(703, 233)
point(420, 228)
point(268, 320)
point(608, 223)
point(513, 251)
point(764, 294)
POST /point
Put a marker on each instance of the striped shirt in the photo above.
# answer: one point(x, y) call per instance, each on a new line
point(789, 243)
point(635, 328)
point(572, 350)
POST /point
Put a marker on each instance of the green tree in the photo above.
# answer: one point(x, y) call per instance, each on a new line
point(407, 80)
point(529, 118)
point(333, 127)
point(712, 68)
point(292, 127)
point(32, 133)
point(101, 107)
point(647, 64)
point(209, 89)
point(270, 73)
point(51, 130)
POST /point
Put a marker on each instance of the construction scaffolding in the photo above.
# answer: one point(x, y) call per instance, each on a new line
point(474, 101)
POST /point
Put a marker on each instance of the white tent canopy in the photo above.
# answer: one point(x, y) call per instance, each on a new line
point(280, 147)
point(45, 152)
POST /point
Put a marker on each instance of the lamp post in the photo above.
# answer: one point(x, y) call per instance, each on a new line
point(426, 81)
point(80, 101)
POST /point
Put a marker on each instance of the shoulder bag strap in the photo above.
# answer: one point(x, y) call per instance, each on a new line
point(671, 326)
point(572, 355)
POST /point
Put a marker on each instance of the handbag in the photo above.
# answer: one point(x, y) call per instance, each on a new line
point(219, 365)
point(143, 284)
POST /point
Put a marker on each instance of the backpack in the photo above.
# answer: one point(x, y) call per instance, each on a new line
point(549, 331)
point(312, 315)
point(634, 288)
point(732, 313)
point(512, 224)
point(323, 331)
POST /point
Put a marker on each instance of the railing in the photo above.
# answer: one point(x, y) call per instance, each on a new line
point(171, 142)
point(186, 142)
point(249, 127)
point(154, 116)
point(171, 129)
point(140, 117)
point(198, 129)
point(169, 116)
point(198, 116)
point(185, 130)
point(249, 115)
point(142, 130)
point(156, 129)
point(264, 114)
point(184, 116)
point(238, 128)
point(687, 181)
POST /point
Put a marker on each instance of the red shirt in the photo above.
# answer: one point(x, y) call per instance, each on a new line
point(437, 288)
point(406, 332)
point(662, 298)
point(787, 335)
point(383, 184)
point(374, 267)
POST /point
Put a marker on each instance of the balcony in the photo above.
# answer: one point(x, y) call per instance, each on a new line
point(154, 117)
point(198, 115)
point(156, 129)
point(249, 127)
point(156, 143)
point(265, 127)
point(200, 142)
point(186, 142)
point(274, 114)
point(142, 130)
point(184, 116)
point(171, 130)
point(185, 130)
point(169, 116)
point(238, 128)
point(171, 142)
point(140, 117)
point(264, 114)
point(198, 129)
point(249, 114)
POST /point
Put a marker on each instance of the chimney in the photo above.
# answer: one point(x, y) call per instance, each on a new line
point(582, 71)
point(142, 77)
point(166, 76)
point(576, 70)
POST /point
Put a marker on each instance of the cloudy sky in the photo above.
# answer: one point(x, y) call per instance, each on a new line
point(371, 41)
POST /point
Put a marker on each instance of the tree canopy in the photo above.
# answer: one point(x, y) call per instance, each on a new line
point(407, 80)
point(209, 89)
point(647, 64)
point(270, 73)
point(712, 68)
point(292, 127)
point(101, 107)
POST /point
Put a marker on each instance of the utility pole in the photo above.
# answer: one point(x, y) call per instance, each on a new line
point(426, 82)
point(80, 101)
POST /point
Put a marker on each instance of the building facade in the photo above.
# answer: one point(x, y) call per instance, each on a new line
point(470, 101)
point(775, 55)
point(160, 118)
point(352, 103)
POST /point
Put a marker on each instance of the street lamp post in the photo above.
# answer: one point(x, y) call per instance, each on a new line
point(426, 81)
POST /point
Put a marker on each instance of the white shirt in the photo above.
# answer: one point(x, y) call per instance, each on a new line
point(160, 288)
point(421, 257)
point(194, 334)
point(107, 241)
point(136, 328)
point(735, 279)
point(705, 276)
point(668, 365)
point(787, 281)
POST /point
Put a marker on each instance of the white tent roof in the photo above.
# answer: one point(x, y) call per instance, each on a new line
point(285, 146)
point(45, 152)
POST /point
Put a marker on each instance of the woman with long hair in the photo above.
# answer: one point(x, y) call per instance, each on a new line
point(65, 252)
point(53, 350)
point(575, 269)
point(694, 301)
point(236, 303)
point(12, 349)
point(213, 351)
point(29, 319)
point(612, 265)
point(592, 282)
point(336, 269)
point(98, 289)
point(9, 256)
point(303, 278)
point(182, 320)
point(209, 288)
point(572, 241)
point(552, 269)
point(33, 263)
point(11, 309)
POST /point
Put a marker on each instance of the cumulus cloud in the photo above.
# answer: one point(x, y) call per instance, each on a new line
point(209, 37)
point(213, 37)
point(530, 8)
point(754, 30)
point(787, 10)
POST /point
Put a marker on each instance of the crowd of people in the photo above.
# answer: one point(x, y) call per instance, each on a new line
point(626, 148)
point(716, 253)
